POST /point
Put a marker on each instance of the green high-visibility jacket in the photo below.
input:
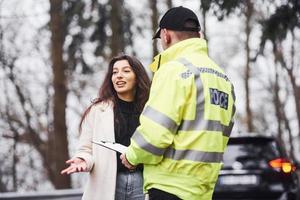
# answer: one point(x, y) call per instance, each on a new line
point(186, 123)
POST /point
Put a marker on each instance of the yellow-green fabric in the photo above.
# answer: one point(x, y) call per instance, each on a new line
point(186, 123)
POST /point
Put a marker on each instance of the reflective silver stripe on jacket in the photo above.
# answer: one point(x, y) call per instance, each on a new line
point(199, 123)
point(175, 154)
point(194, 155)
point(160, 119)
point(143, 144)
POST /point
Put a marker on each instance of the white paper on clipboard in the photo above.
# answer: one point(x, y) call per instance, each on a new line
point(112, 146)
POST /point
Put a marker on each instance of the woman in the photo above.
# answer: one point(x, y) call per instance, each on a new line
point(112, 117)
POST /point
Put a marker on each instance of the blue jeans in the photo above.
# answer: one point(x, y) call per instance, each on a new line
point(129, 186)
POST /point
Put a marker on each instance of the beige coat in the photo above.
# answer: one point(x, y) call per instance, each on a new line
point(102, 166)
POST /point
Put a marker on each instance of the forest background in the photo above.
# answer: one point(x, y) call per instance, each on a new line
point(54, 53)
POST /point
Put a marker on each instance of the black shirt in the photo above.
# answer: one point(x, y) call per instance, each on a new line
point(126, 121)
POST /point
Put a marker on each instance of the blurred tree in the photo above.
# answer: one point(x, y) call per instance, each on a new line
point(154, 20)
point(169, 4)
point(23, 121)
point(3, 183)
point(204, 7)
point(282, 120)
point(117, 43)
point(15, 139)
point(104, 25)
point(4, 174)
point(19, 114)
point(120, 23)
point(99, 20)
point(278, 105)
point(74, 24)
point(58, 144)
point(222, 9)
point(276, 28)
point(74, 18)
point(248, 14)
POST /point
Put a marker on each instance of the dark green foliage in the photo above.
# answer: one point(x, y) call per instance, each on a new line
point(99, 34)
point(205, 4)
point(274, 28)
point(286, 18)
point(89, 22)
point(223, 8)
point(127, 22)
point(77, 22)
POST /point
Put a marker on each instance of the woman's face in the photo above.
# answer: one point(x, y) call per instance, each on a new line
point(124, 80)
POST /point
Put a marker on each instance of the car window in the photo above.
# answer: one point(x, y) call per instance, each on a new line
point(251, 154)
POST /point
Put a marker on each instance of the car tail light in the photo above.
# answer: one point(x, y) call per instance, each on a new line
point(282, 165)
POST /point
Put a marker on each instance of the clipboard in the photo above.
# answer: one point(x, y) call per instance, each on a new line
point(112, 146)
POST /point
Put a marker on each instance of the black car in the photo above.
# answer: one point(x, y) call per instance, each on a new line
point(256, 167)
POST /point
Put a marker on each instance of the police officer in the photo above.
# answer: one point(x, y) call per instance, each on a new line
point(187, 121)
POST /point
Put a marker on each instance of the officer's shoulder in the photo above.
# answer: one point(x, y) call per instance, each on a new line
point(172, 66)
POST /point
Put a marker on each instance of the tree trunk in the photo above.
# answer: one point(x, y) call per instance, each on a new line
point(296, 92)
point(278, 106)
point(15, 139)
point(282, 118)
point(249, 118)
point(3, 186)
point(292, 77)
point(117, 39)
point(58, 143)
point(291, 141)
point(154, 20)
point(296, 88)
point(204, 7)
point(169, 4)
point(203, 28)
point(15, 160)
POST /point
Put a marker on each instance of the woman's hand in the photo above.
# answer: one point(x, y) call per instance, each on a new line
point(76, 165)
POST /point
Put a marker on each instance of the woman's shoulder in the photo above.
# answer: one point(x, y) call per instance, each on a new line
point(102, 106)
point(96, 109)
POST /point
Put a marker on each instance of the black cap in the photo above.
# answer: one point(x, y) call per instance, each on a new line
point(175, 18)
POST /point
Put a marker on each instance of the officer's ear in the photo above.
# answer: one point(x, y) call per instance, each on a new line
point(166, 36)
point(201, 34)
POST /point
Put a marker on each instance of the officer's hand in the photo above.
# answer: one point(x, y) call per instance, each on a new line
point(126, 163)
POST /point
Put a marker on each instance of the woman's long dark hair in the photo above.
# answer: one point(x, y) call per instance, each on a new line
point(108, 93)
